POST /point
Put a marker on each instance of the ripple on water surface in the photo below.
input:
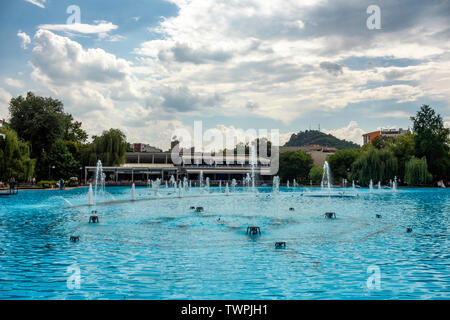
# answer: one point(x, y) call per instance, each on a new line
point(161, 249)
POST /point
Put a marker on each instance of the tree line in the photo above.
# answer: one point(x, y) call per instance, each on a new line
point(42, 141)
point(419, 157)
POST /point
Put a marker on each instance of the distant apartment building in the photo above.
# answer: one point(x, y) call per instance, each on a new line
point(394, 133)
point(142, 147)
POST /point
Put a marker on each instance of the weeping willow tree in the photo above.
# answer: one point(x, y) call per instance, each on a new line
point(375, 164)
point(416, 171)
point(110, 148)
point(14, 157)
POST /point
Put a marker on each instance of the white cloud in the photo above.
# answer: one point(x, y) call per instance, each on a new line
point(58, 58)
point(223, 137)
point(99, 89)
point(447, 122)
point(115, 38)
point(284, 137)
point(232, 135)
point(253, 51)
point(350, 133)
point(14, 83)
point(5, 98)
point(156, 132)
point(394, 114)
point(102, 27)
point(39, 3)
point(399, 92)
point(272, 59)
point(86, 80)
point(26, 40)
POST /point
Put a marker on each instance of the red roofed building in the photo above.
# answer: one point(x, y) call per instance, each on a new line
point(394, 133)
point(368, 137)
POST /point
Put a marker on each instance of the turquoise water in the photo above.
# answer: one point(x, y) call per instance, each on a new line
point(160, 249)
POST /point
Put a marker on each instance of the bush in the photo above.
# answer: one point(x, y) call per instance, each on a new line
point(46, 184)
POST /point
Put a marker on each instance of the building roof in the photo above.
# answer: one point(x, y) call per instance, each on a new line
point(371, 133)
point(221, 170)
point(137, 167)
point(147, 165)
point(222, 158)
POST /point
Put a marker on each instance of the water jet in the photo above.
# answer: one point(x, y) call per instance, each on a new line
point(133, 192)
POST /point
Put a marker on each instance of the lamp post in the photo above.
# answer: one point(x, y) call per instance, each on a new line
point(49, 172)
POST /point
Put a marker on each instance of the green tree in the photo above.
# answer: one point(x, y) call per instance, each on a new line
point(341, 163)
point(130, 147)
point(416, 171)
point(315, 174)
point(73, 131)
point(295, 165)
point(42, 121)
point(381, 142)
point(403, 149)
point(60, 161)
point(37, 120)
point(14, 157)
point(375, 164)
point(431, 140)
point(110, 148)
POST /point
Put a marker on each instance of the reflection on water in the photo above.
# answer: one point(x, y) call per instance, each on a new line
point(161, 249)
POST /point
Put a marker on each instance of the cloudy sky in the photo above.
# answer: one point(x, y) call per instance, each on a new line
point(152, 66)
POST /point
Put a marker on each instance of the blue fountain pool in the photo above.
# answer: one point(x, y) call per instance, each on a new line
point(161, 249)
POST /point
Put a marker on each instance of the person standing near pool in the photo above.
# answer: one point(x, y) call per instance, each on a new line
point(12, 183)
point(61, 184)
